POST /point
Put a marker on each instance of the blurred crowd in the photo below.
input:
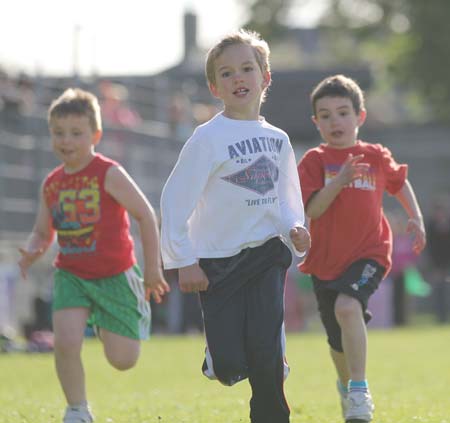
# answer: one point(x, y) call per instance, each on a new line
point(22, 95)
point(17, 97)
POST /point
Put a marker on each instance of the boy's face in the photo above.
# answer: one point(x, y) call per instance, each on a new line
point(337, 121)
point(239, 82)
point(73, 140)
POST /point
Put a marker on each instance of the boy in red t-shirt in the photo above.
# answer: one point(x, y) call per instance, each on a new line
point(86, 201)
point(343, 181)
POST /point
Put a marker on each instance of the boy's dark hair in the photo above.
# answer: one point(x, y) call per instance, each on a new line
point(75, 101)
point(338, 86)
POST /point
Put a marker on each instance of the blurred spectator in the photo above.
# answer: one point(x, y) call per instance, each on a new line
point(116, 110)
point(184, 115)
point(438, 235)
point(41, 317)
point(293, 312)
point(40, 298)
point(9, 275)
point(381, 305)
point(181, 118)
point(118, 116)
point(403, 258)
point(25, 88)
point(10, 101)
point(183, 310)
point(204, 112)
point(300, 301)
point(16, 98)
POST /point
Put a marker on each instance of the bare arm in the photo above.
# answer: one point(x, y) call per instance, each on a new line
point(122, 187)
point(407, 198)
point(40, 238)
point(321, 200)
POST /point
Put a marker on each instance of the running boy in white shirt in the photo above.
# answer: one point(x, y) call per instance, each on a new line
point(229, 209)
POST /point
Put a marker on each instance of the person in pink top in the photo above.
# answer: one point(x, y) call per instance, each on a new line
point(343, 181)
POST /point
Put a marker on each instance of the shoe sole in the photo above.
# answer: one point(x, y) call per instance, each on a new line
point(362, 418)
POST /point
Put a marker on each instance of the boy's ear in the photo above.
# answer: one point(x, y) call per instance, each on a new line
point(213, 90)
point(97, 136)
point(362, 117)
point(314, 119)
point(267, 78)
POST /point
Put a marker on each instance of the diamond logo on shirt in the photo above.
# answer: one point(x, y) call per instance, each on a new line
point(258, 177)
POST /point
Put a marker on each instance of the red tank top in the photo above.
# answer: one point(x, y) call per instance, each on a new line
point(93, 228)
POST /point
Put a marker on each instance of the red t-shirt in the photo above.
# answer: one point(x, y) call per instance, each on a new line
point(92, 227)
point(354, 225)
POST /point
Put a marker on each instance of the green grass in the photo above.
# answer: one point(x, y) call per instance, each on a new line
point(408, 370)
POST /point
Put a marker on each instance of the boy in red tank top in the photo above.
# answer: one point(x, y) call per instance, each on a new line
point(343, 181)
point(86, 201)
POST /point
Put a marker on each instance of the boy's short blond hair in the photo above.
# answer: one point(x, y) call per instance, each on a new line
point(75, 101)
point(339, 86)
point(243, 36)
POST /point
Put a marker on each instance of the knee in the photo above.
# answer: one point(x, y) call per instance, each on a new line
point(348, 309)
point(67, 345)
point(121, 360)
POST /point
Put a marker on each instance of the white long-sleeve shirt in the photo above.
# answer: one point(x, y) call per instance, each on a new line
point(235, 185)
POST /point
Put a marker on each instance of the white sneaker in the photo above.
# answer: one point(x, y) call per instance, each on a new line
point(344, 400)
point(360, 406)
point(78, 415)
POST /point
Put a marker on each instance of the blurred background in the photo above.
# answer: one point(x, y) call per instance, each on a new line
point(145, 63)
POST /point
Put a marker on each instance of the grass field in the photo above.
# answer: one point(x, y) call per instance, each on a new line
point(409, 374)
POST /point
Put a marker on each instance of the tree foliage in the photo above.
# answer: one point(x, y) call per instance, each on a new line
point(424, 62)
point(267, 17)
point(408, 38)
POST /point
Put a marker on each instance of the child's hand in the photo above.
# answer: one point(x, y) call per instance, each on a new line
point(300, 238)
point(27, 259)
point(351, 169)
point(192, 278)
point(416, 228)
point(155, 284)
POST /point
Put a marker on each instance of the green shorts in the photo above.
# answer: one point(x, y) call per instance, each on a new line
point(117, 303)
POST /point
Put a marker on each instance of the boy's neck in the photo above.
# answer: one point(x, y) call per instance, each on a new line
point(71, 170)
point(341, 146)
point(241, 114)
